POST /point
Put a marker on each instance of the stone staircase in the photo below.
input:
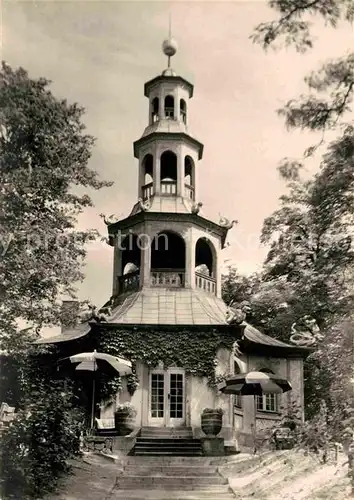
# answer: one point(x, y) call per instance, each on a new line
point(164, 441)
point(170, 478)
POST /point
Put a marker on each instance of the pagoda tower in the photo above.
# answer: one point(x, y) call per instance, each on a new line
point(165, 241)
point(166, 313)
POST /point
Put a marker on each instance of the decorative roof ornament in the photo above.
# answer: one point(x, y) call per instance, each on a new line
point(144, 205)
point(111, 219)
point(226, 223)
point(306, 332)
point(169, 48)
point(237, 314)
point(196, 207)
point(90, 313)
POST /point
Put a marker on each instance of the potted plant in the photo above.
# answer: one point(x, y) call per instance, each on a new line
point(211, 421)
point(124, 418)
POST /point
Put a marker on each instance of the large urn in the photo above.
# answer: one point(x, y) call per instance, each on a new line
point(211, 421)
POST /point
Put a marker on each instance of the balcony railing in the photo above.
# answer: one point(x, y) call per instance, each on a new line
point(205, 283)
point(167, 278)
point(169, 113)
point(189, 191)
point(129, 282)
point(148, 191)
point(168, 188)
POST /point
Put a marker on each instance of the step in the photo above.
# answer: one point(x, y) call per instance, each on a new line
point(214, 484)
point(168, 439)
point(166, 444)
point(172, 470)
point(142, 494)
point(168, 453)
point(167, 429)
point(166, 433)
point(167, 461)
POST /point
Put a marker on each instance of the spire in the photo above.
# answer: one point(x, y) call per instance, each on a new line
point(169, 48)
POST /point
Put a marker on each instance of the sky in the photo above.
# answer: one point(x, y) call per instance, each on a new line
point(100, 54)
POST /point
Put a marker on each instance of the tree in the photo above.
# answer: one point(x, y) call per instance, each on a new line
point(44, 154)
point(272, 303)
point(311, 234)
point(44, 176)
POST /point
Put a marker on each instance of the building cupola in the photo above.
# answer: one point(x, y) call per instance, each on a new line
point(167, 153)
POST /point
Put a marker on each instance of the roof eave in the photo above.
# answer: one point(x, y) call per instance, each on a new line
point(142, 216)
point(259, 349)
point(170, 135)
point(161, 78)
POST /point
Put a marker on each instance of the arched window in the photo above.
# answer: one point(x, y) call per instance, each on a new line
point(154, 109)
point(205, 265)
point(267, 402)
point(169, 107)
point(204, 259)
point(147, 170)
point(131, 261)
point(168, 260)
point(168, 173)
point(183, 110)
point(189, 182)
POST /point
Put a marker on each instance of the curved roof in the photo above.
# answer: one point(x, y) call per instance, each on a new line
point(70, 334)
point(255, 341)
point(174, 307)
point(253, 335)
point(162, 306)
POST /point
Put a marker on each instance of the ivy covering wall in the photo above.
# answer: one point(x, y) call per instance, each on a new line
point(193, 350)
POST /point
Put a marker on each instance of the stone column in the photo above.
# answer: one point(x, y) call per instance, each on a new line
point(141, 176)
point(146, 243)
point(189, 242)
point(180, 171)
point(177, 106)
point(157, 171)
point(117, 266)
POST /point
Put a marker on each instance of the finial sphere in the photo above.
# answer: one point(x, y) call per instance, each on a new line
point(169, 47)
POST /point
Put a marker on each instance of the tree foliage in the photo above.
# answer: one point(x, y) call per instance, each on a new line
point(44, 154)
point(293, 24)
point(311, 256)
point(44, 179)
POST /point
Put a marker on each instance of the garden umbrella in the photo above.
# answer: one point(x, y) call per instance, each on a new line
point(93, 361)
point(254, 384)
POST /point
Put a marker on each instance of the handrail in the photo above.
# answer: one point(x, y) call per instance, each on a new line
point(206, 283)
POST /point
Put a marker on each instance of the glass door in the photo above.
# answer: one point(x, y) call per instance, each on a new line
point(167, 398)
point(157, 398)
point(176, 398)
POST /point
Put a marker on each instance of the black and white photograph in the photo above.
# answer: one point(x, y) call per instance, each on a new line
point(177, 250)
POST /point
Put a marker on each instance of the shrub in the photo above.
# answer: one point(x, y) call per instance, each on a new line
point(38, 443)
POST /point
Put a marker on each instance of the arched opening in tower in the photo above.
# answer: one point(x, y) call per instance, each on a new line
point(168, 173)
point(169, 107)
point(168, 259)
point(189, 182)
point(205, 265)
point(147, 171)
point(154, 109)
point(131, 262)
point(183, 110)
